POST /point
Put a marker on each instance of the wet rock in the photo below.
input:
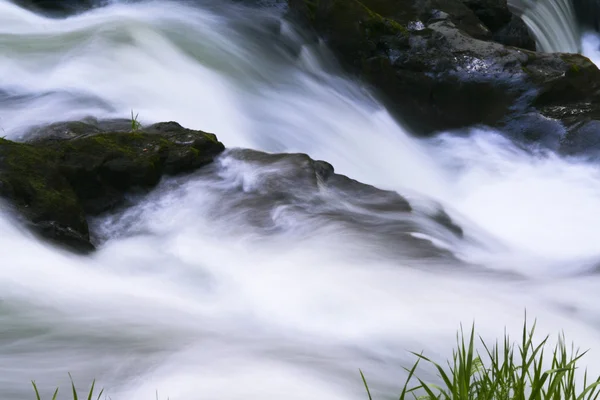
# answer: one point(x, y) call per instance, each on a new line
point(55, 181)
point(280, 5)
point(515, 33)
point(506, 28)
point(444, 219)
point(282, 175)
point(59, 8)
point(273, 192)
point(437, 67)
point(31, 182)
point(535, 130)
point(584, 141)
point(494, 14)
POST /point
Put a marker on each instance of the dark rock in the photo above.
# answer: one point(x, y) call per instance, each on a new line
point(442, 218)
point(295, 172)
point(535, 130)
point(31, 181)
point(268, 4)
point(515, 33)
point(437, 67)
point(323, 169)
point(506, 28)
point(72, 129)
point(583, 141)
point(64, 236)
point(59, 8)
point(62, 131)
point(78, 170)
point(494, 14)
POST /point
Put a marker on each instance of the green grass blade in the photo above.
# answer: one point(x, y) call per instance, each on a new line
point(366, 385)
point(92, 390)
point(73, 387)
point(410, 375)
point(37, 393)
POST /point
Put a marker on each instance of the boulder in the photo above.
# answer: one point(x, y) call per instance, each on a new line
point(57, 179)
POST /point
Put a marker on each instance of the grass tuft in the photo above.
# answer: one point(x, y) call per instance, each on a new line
point(136, 126)
point(90, 395)
point(503, 372)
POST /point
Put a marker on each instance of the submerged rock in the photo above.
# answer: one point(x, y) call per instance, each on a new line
point(78, 169)
point(448, 64)
point(292, 194)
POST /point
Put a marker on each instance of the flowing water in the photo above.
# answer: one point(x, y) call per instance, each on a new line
point(556, 26)
point(552, 22)
point(209, 289)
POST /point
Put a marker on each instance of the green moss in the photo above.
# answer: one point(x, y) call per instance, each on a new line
point(381, 24)
point(312, 6)
point(576, 62)
point(130, 145)
point(29, 173)
point(212, 137)
point(574, 68)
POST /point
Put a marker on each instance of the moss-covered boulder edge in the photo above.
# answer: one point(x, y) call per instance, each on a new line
point(447, 64)
point(71, 171)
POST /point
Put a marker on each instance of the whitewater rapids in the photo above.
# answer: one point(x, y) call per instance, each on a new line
point(190, 296)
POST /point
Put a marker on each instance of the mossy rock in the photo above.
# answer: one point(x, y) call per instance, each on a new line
point(30, 180)
point(55, 182)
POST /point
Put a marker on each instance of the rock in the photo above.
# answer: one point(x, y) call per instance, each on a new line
point(569, 89)
point(494, 14)
point(55, 181)
point(437, 66)
point(59, 8)
point(31, 182)
point(535, 130)
point(272, 192)
point(584, 141)
point(506, 28)
point(280, 5)
point(294, 172)
point(515, 33)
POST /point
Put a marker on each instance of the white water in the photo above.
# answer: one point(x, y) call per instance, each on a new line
point(591, 47)
point(189, 298)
